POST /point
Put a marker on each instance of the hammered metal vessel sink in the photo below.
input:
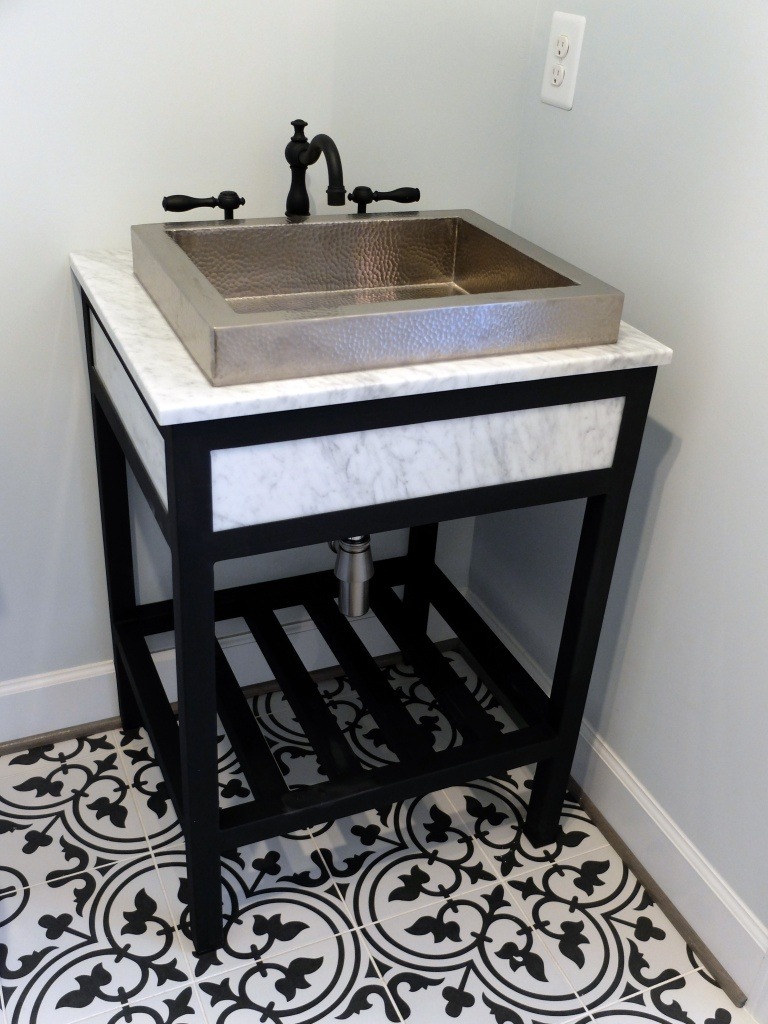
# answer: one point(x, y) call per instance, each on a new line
point(258, 300)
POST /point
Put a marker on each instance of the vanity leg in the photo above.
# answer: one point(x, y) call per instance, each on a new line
point(422, 543)
point(118, 549)
point(194, 620)
point(587, 600)
point(595, 558)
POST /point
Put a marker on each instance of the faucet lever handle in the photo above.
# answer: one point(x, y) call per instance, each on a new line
point(362, 195)
point(226, 201)
point(400, 195)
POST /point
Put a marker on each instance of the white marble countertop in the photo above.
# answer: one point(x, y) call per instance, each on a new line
point(177, 392)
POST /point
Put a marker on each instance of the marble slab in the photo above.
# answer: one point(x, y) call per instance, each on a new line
point(284, 480)
point(176, 391)
point(139, 425)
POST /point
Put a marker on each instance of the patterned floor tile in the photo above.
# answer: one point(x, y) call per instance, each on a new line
point(410, 854)
point(689, 999)
point(55, 754)
point(472, 958)
point(88, 943)
point(178, 1004)
point(601, 926)
point(277, 896)
point(330, 980)
point(432, 909)
point(60, 816)
point(494, 811)
point(290, 748)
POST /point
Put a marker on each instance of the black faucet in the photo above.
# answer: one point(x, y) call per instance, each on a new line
point(300, 153)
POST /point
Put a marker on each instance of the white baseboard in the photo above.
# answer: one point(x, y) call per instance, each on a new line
point(725, 924)
point(58, 700)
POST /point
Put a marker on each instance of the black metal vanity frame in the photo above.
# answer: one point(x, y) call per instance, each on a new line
point(187, 749)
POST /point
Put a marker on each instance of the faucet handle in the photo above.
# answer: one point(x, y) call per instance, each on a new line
point(362, 195)
point(400, 195)
point(226, 201)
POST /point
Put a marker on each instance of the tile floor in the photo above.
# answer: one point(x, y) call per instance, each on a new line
point(430, 910)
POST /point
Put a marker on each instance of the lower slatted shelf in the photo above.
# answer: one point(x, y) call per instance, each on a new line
point(417, 764)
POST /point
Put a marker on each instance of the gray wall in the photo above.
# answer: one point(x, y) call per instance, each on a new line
point(108, 107)
point(656, 181)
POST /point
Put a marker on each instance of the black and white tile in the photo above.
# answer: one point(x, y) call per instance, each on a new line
point(65, 810)
point(407, 855)
point(276, 897)
point(331, 980)
point(92, 941)
point(602, 926)
point(494, 811)
point(182, 1004)
point(431, 909)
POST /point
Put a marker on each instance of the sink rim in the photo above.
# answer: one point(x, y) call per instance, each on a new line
point(233, 347)
point(214, 307)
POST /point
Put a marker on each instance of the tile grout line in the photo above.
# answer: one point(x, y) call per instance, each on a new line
point(628, 1001)
point(156, 867)
point(364, 941)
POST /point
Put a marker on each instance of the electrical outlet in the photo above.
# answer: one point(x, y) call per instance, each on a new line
point(562, 64)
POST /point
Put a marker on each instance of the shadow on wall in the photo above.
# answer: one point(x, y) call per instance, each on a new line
point(522, 563)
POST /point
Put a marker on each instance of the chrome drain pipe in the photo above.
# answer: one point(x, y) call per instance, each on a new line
point(353, 570)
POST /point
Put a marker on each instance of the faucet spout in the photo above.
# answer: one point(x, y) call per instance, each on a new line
point(324, 144)
point(300, 154)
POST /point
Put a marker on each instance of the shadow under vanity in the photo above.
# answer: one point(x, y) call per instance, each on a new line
point(254, 468)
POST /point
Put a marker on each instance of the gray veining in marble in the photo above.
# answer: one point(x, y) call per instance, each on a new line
point(284, 480)
point(177, 392)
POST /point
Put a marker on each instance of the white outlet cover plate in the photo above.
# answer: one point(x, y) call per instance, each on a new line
point(572, 26)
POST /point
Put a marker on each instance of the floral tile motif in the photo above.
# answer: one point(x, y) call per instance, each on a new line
point(476, 687)
point(277, 896)
point(473, 958)
point(290, 748)
point(409, 854)
point(56, 754)
point(179, 1004)
point(601, 927)
point(330, 980)
point(91, 942)
point(494, 812)
point(693, 998)
point(61, 815)
point(151, 793)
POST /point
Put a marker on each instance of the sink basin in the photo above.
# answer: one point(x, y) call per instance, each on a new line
point(258, 300)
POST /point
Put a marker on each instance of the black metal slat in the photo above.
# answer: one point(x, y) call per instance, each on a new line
point(422, 544)
point(512, 686)
point(402, 734)
point(243, 823)
point(320, 727)
point(472, 720)
point(251, 748)
point(155, 707)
